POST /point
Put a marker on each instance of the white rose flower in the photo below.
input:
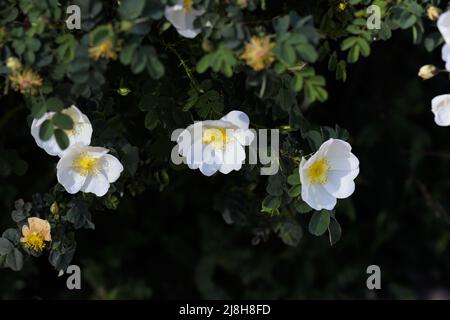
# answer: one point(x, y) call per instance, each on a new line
point(443, 25)
point(88, 169)
point(328, 174)
point(80, 133)
point(216, 145)
point(182, 16)
point(440, 106)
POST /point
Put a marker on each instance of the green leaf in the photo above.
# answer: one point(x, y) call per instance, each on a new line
point(302, 207)
point(12, 235)
point(46, 130)
point(364, 47)
point(332, 61)
point(62, 121)
point(297, 82)
point(14, 260)
point(127, 53)
point(154, 67)
point(139, 62)
point(5, 246)
point(271, 202)
point(222, 59)
point(433, 40)
point(319, 223)
point(353, 54)
point(282, 24)
point(307, 52)
point(294, 179)
point(295, 191)
point(54, 104)
point(100, 35)
point(79, 215)
point(289, 232)
point(314, 139)
point(62, 139)
point(348, 43)
point(38, 110)
point(275, 185)
point(334, 231)
point(151, 119)
point(203, 64)
point(341, 71)
point(130, 159)
point(131, 9)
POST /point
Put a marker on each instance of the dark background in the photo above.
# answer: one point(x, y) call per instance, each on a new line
point(173, 244)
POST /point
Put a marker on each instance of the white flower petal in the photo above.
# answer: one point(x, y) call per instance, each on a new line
point(238, 118)
point(340, 184)
point(208, 169)
point(343, 162)
point(445, 52)
point(244, 136)
point(70, 179)
point(233, 158)
point(183, 20)
point(443, 25)
point(317, 197)
point(97, 184)
point(112, 167)
point(96, 151)
point(440, 106)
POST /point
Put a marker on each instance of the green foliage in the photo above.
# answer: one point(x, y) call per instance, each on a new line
point(152, 81)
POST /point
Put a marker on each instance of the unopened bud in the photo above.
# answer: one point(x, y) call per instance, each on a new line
point(13, 64)
point(433, 13)
point(428, 71)
point(54, 209)
point(242, 4)
point(123, 91)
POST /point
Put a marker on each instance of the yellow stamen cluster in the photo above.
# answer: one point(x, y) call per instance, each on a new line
point(106, 50)
point(26, 81)
point(85, 164)
point(258, 53)
point(34, 241)
point(187, 5)
point(318, 171)
point(216, 137)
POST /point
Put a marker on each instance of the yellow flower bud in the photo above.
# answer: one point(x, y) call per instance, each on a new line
point(13, 64)
point(433, 13)
point(428, 71)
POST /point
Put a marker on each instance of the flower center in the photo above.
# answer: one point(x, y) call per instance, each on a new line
point(85, 164)
point(187, 5)
point(318, 171)
point(215, 136)
point(25, 83)
point(34, 241)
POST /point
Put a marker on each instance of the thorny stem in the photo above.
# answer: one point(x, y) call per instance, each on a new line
point(188, 71)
